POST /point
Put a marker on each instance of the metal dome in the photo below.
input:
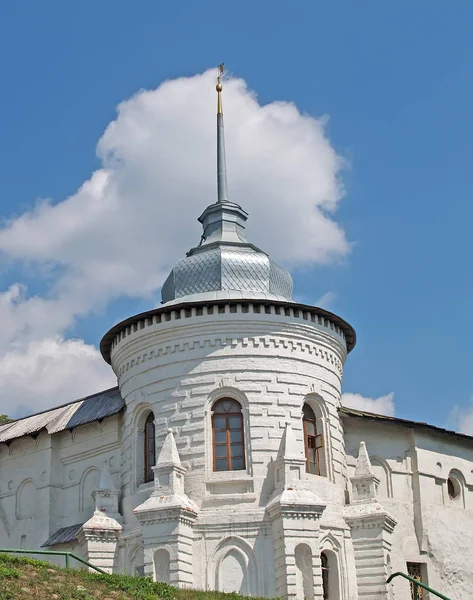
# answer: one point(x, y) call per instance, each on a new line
point(225, 265)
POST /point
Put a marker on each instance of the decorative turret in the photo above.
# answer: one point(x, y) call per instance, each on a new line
point(225, 264)
point(291, 494)
point(369, 520)
point(167, 518)
point(294, 511)
point(364, 483)
point(99, 535)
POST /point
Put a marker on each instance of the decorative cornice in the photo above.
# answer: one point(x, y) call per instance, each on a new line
point(370, 515)
point(99, 450)
point(301, 312)
point(177, 515)
point(227, 341)
point(299, 512)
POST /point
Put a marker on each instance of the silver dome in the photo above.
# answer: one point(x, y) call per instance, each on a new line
point(225, 265)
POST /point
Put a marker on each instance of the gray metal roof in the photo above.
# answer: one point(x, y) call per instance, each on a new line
point(227, 269)
point(79, 412)
point(64, 535)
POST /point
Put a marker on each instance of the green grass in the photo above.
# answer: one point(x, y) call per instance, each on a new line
point(27, 578)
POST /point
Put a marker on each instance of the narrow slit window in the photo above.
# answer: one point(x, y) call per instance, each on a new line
point(150, 447)
point(325, 575)
point(228, 440)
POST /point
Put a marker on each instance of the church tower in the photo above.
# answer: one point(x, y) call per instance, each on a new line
point(236, 389)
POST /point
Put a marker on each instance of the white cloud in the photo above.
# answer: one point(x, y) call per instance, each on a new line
point(461, 418)
point(48, 373)
point(120, 233)
point(327, 300)
point(384, 405)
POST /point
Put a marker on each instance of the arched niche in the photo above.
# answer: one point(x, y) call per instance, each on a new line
point(232, 567)
point(382, 471)
point(304, 572)
point(26, 500)
point(162, 566)
point(319, 408)
point(136, 560)
point(88, 485)
point(233, 572)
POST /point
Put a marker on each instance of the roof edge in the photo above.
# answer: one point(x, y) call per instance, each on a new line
point(361, 414)
point(42, 412)
point(106, 342)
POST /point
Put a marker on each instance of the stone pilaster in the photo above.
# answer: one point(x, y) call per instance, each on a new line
point(294, 512)
point(371, 528)
point(167, 520)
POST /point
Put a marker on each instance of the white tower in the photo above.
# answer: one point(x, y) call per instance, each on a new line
point(232, 364)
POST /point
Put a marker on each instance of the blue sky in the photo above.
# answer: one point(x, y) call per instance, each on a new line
point(394, 80)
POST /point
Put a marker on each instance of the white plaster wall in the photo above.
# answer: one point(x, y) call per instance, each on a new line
point(45, 483)
point(431, 529)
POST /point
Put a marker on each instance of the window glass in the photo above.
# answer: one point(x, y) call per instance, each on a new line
point(227, 432)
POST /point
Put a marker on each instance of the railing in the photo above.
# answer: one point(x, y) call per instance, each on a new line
point(416, 585)
point(67, 555)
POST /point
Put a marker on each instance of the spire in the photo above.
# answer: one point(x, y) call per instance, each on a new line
point(364, 482)
point(222, 192)
point(363, 463)
point(289, 446)
point(169, 454)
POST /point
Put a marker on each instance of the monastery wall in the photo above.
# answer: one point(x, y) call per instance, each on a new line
point(432, 529)
point(46, 483)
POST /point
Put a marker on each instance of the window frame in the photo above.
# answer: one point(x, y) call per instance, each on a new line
point(317, 440)
point(149, 464)
point(228, 456)
point(418, 571)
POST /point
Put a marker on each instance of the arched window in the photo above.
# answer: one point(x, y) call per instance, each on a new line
point(312, 441)
point(455, 486)
point(330, 575)
point(149, 447)
point(325, 574)
point(227, 429)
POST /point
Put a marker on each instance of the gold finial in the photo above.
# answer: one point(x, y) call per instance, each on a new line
point(218, 87)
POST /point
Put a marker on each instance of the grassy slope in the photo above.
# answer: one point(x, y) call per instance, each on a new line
point(25, 578)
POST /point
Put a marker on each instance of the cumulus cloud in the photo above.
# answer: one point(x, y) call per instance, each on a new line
point(327, 300)
point(461, 418)
point(384, 405)
point(120, 233)
point(50, 372)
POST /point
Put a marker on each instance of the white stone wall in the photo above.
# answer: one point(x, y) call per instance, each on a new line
point(45, 483)
point(413, 467)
